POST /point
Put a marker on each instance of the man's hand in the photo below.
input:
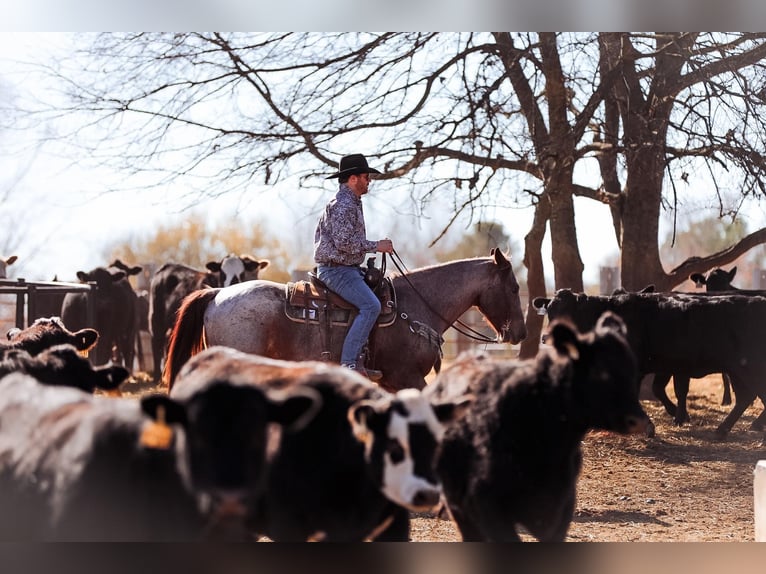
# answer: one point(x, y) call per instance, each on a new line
point(385, 246)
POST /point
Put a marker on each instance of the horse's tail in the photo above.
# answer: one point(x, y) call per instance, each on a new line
point(187, 337)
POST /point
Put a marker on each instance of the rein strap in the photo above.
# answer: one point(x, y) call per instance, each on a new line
point(470, 332)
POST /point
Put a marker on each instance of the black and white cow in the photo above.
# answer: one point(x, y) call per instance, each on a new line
point(79, 467)
point(172, 282)
point(689, 335)
point(359, 465)
point(514, 459)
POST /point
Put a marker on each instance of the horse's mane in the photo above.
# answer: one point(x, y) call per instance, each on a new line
point(396, 273)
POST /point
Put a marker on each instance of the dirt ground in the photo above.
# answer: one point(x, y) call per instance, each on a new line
point(680, 486)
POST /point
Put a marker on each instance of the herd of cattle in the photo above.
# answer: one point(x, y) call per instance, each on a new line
point(246, 447)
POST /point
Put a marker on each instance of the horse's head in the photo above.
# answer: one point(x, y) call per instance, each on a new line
point(499, 302)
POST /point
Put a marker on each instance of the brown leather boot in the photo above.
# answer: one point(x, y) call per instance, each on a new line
point(371, 374)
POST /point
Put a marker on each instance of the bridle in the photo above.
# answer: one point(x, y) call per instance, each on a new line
point(467, 332)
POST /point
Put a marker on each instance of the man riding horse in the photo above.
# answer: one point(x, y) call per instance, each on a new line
point(340, 245)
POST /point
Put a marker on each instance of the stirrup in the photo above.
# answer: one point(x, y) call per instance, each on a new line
point(371, 374)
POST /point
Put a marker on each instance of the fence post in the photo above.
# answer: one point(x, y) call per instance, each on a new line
point(20, 306)
point(31, 303)
point(90, 298)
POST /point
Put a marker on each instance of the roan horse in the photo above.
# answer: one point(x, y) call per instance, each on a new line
point(251, 317)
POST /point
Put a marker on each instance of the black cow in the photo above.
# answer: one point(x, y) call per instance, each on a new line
point(46, 332)
point(62, 365)
point(172, 282)
point(514, 459)
point(80, 467)
point(689, 335)
point(359, 464)
point(114, 313)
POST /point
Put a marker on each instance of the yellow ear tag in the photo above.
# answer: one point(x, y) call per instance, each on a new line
point(157, 434)
point(83, 353)
point(113, 393)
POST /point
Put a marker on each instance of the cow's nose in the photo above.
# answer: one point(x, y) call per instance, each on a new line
point(426, 499)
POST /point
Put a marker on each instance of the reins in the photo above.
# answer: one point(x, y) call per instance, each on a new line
point(469, 332)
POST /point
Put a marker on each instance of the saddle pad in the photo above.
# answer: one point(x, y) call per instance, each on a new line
point(304, 302)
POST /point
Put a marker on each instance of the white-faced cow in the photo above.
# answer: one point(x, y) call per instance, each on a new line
point(689, 335)
point(514, 459)
point(79, 467)
point(172, 282)
point(356, 468)
point(4, 263)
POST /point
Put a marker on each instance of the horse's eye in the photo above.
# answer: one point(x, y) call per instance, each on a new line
point(395, 451)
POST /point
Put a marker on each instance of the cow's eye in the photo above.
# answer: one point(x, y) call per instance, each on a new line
point(395, 451)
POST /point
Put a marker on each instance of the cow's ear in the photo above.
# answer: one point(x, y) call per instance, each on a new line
point(110, 377)
point(732, 273)
point(83, 276)
point(611, 322)
point(86, 338)
point(360, 415)
point(698, 279)
point(563, 337)
point(296, 409)
point(12, 259)
point(453, 410)
point(161, 408)
point(14, 332)
point(213, 266)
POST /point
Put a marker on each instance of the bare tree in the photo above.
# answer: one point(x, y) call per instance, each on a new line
point(474, 119)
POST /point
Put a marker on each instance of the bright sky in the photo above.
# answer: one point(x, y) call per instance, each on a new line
point(66, 204)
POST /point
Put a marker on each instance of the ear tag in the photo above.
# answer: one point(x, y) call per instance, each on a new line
point(361, 434)
point(157, 434)
point(83, 353)
point(113, 393)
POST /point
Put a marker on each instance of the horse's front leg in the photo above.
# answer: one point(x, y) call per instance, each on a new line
point(398, 381)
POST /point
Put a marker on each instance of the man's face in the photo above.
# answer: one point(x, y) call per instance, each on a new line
point(359, 183)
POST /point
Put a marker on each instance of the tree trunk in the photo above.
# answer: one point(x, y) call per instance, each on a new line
point(640, 257)
point(533, 260)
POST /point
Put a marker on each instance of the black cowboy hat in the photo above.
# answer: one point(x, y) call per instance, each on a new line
point(353, 164)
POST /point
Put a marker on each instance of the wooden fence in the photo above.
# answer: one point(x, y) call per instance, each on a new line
point(19, 297)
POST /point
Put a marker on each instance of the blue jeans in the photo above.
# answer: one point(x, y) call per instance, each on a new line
point(348, 282)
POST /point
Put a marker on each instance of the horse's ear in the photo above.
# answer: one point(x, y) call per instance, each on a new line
point(500, 260)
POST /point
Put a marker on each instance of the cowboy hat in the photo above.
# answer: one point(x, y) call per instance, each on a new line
point(353, 164)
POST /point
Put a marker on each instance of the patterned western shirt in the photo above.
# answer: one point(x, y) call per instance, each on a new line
point(340, 235)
